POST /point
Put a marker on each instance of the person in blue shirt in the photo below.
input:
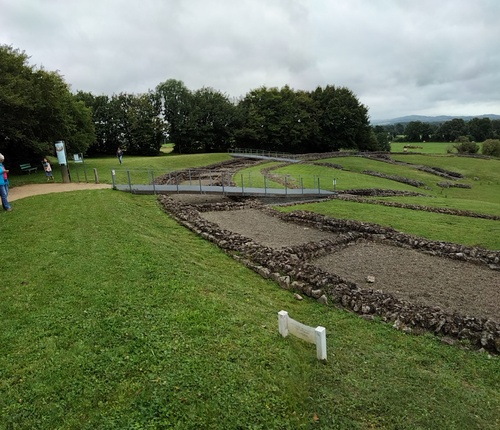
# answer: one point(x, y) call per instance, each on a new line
point(4, 185)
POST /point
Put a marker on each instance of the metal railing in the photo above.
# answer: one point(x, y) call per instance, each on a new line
point(261, 153)
point(203, 180)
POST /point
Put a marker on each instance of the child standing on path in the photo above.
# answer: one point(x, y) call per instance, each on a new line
point(48, 170)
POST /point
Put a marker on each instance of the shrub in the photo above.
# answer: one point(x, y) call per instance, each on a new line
point(464, 146)
point(491, 147)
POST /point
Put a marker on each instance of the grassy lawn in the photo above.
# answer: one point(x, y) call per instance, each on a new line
point(141, 168)
point(115, 317)
point(482, 197)
point(426, 147)
point(441, 227)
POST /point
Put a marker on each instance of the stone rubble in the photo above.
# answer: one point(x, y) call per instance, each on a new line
point(290, 269)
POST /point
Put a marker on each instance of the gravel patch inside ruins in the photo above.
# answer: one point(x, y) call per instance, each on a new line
point(452, 285)
point(265, 229)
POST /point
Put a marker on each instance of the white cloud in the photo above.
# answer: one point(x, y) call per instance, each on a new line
point(399, 57)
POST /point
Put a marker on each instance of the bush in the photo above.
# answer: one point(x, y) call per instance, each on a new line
point(491, 147)
point(464, 146)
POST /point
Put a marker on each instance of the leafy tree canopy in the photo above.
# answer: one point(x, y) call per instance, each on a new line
point(37, 109)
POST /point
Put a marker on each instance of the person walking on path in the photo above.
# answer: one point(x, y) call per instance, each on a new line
point(48, 169)
point(4, 185)
point(119, 154)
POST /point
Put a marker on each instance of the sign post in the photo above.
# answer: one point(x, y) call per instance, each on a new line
point(78, 158)
point(62, 159)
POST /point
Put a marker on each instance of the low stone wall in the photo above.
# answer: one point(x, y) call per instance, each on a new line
point(412, 182)
point(438, 171)
point(289, 267)
point(379, 192)
point(452, 185)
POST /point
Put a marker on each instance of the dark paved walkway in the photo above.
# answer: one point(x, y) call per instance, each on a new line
point(231, 191)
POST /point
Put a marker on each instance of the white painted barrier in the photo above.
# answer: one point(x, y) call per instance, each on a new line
point(309, 334)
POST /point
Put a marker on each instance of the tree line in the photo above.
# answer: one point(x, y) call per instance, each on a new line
point(463, 135)
point(38, 108)
point(476, 129)
point(206, 120)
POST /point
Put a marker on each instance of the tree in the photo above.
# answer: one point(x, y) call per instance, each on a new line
point(464, 146)
point(276, 119)
point(130, 121)
point(382, 139)
point(37, 109)
point(142, 128)
point(480, 129)
point(214, 117)
point(495, 128)
point(417, 131)
point(102, 119)
point(177, 108)
point(449, 131)
point(16, 111)
point(342, 120)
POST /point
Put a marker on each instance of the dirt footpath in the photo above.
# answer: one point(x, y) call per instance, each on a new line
point(16, 193)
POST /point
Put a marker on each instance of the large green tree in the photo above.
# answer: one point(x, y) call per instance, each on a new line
point(327, 119)
point(177, 109)
point(213, 116)
point(480, 129)
point(418, 131)
point(140, 129)
point(276, 119)
point(451, 130)
point(343, 121)
point(130, 121)
point(37, 108)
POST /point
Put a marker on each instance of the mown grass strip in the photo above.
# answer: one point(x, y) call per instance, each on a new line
point(441, 227)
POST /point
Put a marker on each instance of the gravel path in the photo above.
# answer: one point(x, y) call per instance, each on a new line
point(16, 193)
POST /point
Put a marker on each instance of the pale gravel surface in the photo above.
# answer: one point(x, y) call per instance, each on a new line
point(265, 229)
point(16, 193)
point(419, 278)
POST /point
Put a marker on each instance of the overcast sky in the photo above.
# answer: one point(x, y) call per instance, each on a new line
point(400, 57)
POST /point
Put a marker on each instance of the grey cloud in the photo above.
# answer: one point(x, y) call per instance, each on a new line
point(398, 57)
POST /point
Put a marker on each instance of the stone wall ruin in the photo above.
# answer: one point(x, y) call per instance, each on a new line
point(289, 267)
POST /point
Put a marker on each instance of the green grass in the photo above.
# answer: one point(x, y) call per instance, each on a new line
point(426, 147)
point(482, 197)
point(141, 168)
point(115, 317)
point(434, 226)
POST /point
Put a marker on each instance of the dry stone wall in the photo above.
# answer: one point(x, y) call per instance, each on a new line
point(289, 267)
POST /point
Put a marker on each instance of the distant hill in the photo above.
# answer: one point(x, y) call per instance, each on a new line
point(423, 118)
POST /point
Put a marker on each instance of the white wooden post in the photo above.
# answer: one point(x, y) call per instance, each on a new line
point(283, 323)
point(320, 343)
